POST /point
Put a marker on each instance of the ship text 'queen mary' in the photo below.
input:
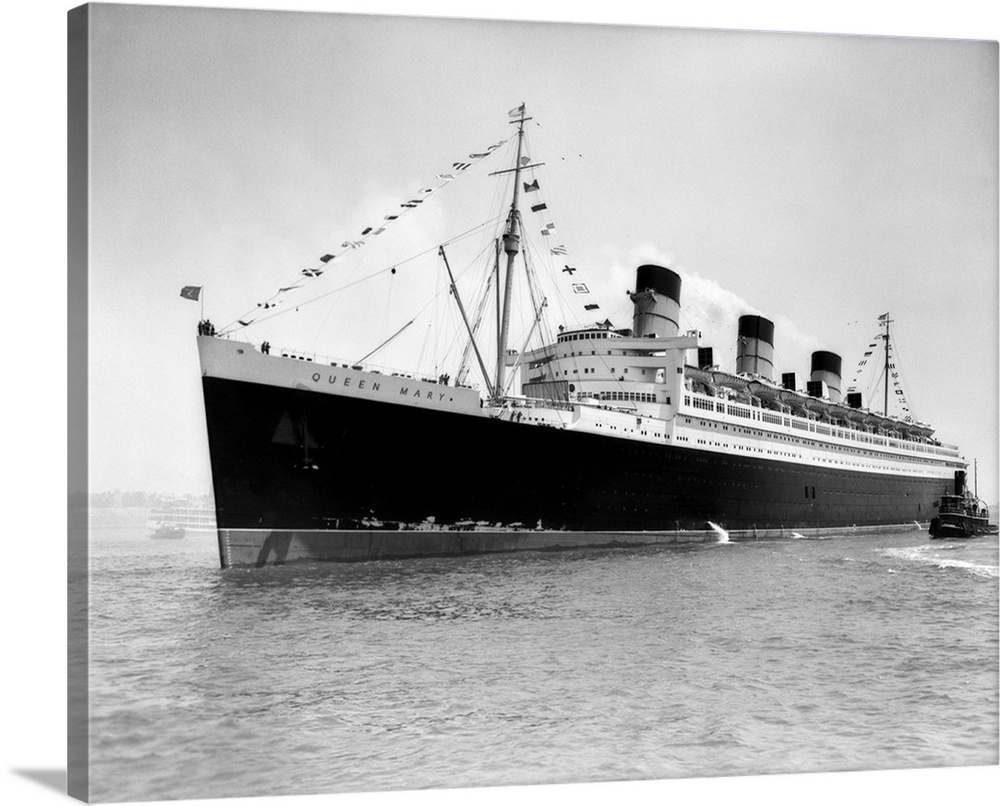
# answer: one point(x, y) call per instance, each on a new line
point(600, 436)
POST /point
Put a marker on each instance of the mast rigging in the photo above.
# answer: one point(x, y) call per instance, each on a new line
point(465, 319)
point(511, 246)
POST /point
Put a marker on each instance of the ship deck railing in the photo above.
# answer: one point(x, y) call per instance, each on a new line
point(538, 403)
point(697, 403)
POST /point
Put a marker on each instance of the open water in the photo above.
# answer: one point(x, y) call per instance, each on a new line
point(844, 653)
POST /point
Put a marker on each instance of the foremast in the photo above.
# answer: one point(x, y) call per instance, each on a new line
point(511, 247)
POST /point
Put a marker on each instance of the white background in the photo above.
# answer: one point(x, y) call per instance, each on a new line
point(34, 566)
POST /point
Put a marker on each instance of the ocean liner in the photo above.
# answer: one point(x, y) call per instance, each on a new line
point(602, 435)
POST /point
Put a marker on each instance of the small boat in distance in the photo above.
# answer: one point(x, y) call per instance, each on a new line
point(167, 531)
point(173, 523)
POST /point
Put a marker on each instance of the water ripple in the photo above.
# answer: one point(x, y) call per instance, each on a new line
point(780, 656)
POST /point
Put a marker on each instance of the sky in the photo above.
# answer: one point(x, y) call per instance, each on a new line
point(817, 180)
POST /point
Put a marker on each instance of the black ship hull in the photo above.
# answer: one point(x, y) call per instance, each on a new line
point(320, 468)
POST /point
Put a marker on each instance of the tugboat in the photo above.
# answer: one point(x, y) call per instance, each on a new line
point(962, 514)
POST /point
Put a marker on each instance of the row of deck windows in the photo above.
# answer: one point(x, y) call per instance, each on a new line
point(809, 444)
point(840, 431)
point(638, 397)
point(578, 336)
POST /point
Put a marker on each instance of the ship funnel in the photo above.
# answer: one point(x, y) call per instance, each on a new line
point(657, 301)
point(755, 346)
point(826, 368)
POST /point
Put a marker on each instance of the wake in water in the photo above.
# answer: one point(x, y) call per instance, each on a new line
point(929, 555)
point(722, 533)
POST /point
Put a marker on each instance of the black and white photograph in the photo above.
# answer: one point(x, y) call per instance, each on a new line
point(500, 405)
